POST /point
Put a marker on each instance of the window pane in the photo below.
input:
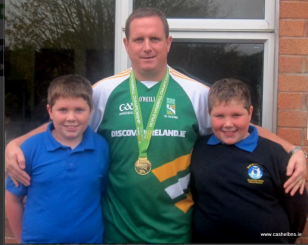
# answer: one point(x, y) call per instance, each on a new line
point(209, 62)
point(48, 38)
point(207, 9)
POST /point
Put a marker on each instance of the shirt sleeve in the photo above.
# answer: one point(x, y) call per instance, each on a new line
point(21, 190)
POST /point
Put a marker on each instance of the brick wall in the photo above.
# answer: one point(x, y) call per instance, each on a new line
point(293, 77)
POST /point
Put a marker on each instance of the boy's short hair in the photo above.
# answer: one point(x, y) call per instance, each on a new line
point(70, 86)
point(228, 89)
point(146, 12)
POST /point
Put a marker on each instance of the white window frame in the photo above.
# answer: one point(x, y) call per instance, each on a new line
point(220, 30)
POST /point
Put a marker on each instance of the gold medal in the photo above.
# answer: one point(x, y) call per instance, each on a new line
point(143, 166)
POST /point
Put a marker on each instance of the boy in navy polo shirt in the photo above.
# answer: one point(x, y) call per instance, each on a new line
point(238, 176)
point(68, 165)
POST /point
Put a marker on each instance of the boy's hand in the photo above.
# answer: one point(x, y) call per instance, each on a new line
point(297, 170)
point(15, 163)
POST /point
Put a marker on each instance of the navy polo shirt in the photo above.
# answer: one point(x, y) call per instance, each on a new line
point(64, 199)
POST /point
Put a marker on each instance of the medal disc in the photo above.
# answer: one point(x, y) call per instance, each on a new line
point(143, 166)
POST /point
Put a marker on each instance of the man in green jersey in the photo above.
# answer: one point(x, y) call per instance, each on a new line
point(151, 116)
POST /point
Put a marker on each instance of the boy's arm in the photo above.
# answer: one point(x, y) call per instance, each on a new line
point(296, 166)
point(14, 209)
point(15, 160)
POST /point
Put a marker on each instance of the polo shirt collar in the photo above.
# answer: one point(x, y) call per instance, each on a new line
point(52, 144)
point(247, 144)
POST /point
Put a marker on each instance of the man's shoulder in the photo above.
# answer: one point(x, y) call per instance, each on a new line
point(113, 81)
point(187, 81)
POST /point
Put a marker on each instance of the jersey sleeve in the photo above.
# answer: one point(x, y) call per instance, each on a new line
point(101, 93)
point(98, 109)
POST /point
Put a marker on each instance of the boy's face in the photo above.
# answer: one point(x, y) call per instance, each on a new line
point(70, 117)
point(230, 122)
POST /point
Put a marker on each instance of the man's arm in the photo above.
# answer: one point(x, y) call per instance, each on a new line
point(14, 157)
point(14, 209)
point(296, 166)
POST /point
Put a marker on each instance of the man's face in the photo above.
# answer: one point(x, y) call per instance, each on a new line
point(148, 48)
point(230, 121)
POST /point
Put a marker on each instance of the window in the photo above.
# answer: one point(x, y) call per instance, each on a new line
point(207, 9)
point(46, 39)
point(233, 38)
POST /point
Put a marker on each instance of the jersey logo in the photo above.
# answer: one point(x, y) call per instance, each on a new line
point(171, 109)
point(171, 106)
point(255, 172)
point(126, 109)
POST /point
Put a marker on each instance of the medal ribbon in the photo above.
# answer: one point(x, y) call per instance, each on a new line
point(145, 138)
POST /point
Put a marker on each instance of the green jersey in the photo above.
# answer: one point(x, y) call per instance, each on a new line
point(157, 207)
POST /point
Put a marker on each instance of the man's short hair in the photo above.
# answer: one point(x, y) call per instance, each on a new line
point(146, 12)
point(228, 89)
point(70, 86)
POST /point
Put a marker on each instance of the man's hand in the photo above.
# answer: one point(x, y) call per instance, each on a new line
point(15, 163)
point(297, 170)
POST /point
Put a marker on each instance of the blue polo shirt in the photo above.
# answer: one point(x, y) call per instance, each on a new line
point(247, 144)
point(64, 199)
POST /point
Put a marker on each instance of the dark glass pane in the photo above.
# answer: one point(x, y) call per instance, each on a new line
point(207, 9)
point(46, 39)
point(209, 62)
point(1, 53)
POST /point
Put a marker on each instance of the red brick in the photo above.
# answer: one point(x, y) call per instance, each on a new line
point(290, 64)
point(305, 143)
point(306, 101)
point(306, 61)
point(291, 28)
point(290, 100)
point(294, 136)
point(294, 83)
point(287, 118)
point(293, 46)
point(294, 10)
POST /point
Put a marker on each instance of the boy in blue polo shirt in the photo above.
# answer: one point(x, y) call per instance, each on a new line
point(238, 176)
point(68, 165)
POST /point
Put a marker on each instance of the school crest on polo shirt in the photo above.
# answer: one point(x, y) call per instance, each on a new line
point(255, 172)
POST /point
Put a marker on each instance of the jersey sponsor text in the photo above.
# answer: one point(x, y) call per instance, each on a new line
point(156, 132)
